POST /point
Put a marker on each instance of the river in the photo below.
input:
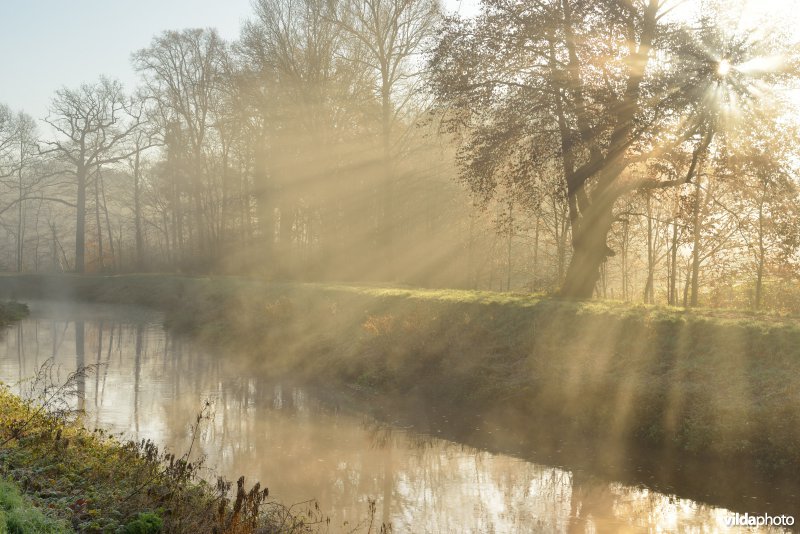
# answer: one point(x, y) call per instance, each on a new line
point(305, 444)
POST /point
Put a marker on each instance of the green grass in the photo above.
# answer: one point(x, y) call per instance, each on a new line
point(162, 290)
point(19, 516)
point(716, 383)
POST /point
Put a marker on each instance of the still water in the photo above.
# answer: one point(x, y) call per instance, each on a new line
point(303, 445)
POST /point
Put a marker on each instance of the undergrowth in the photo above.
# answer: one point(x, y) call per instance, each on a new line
point(18, 515)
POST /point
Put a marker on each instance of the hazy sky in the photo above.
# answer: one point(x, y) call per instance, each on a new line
point(47, 44)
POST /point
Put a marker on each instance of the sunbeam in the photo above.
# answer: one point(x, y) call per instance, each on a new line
point(419, 265)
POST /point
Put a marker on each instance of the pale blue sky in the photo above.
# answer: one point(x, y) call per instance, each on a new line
point(47, 44)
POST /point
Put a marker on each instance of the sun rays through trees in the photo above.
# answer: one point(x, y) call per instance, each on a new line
point(598, 94)
point(623, 149)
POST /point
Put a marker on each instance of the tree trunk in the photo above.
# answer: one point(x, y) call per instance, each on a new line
point(108, 225)
point(591, 213)
point(286, 226)
point(695, 275)
point(80, 225)
point(759, 282)
point(137, 212)
point(651, 267)
point(387, 232)
point(624, 250)
point(673, 276)
point(100, 266)
point(590, 250)
point(686, 283)
point(472, 270)
point(20, 216)
point(54, 248)
point(761, 249)
point(199, 221)
point(535, 269)
point(265, 204)
point(509, 245)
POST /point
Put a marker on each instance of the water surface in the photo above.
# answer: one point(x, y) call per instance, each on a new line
point(305, 445)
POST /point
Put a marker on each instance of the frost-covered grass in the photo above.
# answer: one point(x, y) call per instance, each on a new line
point(19, 516)
point(60, 477)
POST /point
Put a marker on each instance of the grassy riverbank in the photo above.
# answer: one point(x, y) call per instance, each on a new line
point(707, 384)
point(59, 477)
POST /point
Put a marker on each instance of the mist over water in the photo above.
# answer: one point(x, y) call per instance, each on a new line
point(307, 445)
point(532, 266)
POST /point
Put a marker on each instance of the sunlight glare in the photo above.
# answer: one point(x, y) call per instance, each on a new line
point(724, 67)
point(761, 65)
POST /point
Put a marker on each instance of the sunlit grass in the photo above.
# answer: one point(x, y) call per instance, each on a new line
point(157, 289)
point(720, 383)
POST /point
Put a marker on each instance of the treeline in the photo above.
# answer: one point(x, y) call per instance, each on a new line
point(301, 150)
point(380, 140)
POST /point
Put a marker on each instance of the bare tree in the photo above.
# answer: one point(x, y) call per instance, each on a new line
point(25, 152)
point(392, 33)
point(7, 135)
point(309, 103)
point(182, 72)
point(91, 124)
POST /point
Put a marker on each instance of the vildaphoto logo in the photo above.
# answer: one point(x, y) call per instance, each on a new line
point(764, 520)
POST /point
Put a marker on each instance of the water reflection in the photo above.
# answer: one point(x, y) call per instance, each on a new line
point(150, 384)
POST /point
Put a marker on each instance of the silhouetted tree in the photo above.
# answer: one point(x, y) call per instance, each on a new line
point(589, 90)
point(91, 124)
point(183, 75)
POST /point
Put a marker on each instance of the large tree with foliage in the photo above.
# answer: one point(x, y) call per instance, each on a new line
point(590, 91)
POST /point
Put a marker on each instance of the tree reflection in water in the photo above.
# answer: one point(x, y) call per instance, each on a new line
point(152, 384)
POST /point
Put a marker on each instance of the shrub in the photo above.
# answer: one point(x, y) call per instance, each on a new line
point(145, 523)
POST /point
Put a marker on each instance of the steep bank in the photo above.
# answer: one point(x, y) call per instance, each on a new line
point(705, 384)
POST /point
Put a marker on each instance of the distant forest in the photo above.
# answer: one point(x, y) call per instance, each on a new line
point(612, 148)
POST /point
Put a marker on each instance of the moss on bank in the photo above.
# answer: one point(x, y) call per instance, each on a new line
point(705, 383)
